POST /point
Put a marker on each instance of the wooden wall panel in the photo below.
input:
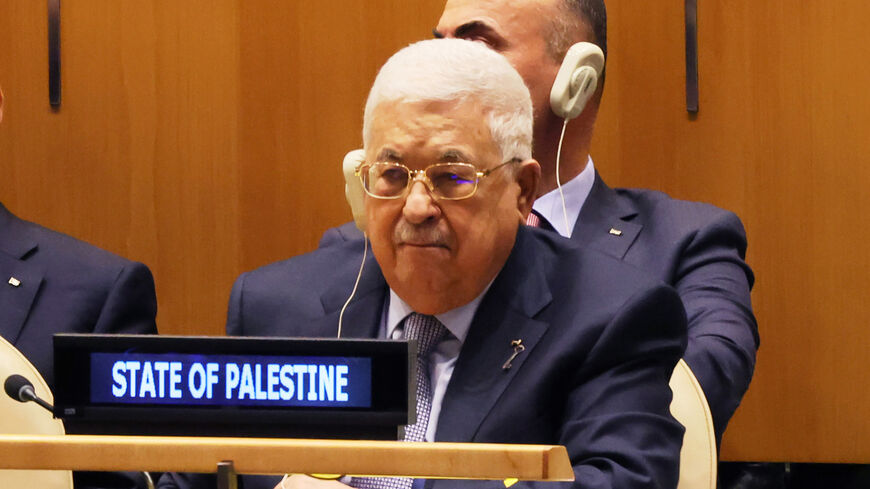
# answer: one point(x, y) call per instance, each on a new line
point(203, 138)
point(141, 156)
point(781, 139)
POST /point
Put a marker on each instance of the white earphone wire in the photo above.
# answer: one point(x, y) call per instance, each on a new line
point(355, 284)
point(559, 180)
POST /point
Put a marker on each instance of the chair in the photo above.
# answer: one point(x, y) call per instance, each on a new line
point(28, 418)
point(689, 407)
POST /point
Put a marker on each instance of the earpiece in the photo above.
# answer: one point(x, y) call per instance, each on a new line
point(355, 195)
point(353, 190)
point(577, 79)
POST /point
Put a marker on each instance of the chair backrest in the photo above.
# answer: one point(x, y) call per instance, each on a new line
point(689, 407)
point(28, 418)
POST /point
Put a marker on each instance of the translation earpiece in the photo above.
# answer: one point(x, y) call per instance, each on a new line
point(353, 190)
point(577, 79)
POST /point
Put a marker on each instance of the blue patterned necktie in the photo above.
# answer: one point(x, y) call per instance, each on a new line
point(428, 331)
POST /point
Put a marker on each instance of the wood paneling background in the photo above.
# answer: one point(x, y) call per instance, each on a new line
point(204, 138)
point(781, 139)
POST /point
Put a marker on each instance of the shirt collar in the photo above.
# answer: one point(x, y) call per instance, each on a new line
point(457, 321)
point(576, 191)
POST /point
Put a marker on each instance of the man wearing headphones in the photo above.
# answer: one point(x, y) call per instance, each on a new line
point(697, 248)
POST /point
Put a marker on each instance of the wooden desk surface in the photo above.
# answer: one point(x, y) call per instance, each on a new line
point(278, 456)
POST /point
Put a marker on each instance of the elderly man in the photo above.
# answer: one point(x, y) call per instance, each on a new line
point(697, 248)
point(449, 180)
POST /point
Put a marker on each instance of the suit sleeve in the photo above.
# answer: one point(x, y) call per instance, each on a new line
point(130, 308)
point(234, 310)
point(714, 283)
point(617, 426)
point(131, 304)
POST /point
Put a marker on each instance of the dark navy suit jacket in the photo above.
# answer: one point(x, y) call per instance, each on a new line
point(601, 337)
point(697, 248)
point(66, 286)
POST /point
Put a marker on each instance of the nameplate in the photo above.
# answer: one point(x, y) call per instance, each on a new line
point(231, 380)
point(232, 386)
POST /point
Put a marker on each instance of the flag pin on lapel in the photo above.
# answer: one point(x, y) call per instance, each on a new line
point(615, 232)
point(14, 282)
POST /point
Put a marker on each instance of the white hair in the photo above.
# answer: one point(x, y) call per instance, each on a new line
point(448, 70)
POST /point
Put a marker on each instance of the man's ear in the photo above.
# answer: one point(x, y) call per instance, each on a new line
point(528, 178)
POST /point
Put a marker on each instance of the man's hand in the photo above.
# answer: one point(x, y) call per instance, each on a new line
point(298, 481)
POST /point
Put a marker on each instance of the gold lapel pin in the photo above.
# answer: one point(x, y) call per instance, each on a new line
point(14, 282)
point(615, 232)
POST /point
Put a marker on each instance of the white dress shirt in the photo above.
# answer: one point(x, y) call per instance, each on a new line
point(576, 191)
point(443, 357)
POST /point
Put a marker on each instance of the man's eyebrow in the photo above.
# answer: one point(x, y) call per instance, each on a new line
point(466, 30)
point(389, 154)
point(475, 27)
point(453, 156)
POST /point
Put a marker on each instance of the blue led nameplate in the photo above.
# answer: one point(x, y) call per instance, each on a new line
point(233, 386)
point(230, 380)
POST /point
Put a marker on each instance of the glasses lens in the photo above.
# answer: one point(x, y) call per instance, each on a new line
point(453, 180)
point(386, 179)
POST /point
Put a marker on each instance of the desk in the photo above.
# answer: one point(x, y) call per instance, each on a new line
point(279, 456)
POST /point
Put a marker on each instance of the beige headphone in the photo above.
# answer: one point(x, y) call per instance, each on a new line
point(353, 190)
point(577, 79)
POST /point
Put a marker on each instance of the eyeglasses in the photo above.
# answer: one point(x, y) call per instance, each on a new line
point(449, 181)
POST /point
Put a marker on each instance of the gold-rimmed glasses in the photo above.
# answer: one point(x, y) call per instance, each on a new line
point(449, 181)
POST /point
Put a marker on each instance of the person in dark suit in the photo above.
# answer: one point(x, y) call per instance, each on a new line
point(697, 248)
point(449, 180)
point(53, 283)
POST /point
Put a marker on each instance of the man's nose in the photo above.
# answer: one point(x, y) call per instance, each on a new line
point(419, 204)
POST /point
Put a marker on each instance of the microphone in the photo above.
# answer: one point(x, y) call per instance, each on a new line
point(19, 388)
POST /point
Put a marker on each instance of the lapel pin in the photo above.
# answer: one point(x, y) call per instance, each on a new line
point(518, 347)
point(14, 282)
point(615, 232)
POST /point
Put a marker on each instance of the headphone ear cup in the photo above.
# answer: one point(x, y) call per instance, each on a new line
point(353, 190)
point(577, 80)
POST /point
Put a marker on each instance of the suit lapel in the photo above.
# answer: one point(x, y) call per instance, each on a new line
point(606, 222)
point(362, 317)
point(16, 300)
point(506, 314)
